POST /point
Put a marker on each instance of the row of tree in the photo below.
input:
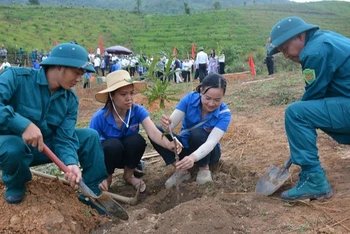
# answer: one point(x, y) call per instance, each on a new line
point(150, 6)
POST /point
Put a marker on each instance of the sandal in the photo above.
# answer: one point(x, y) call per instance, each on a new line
point(136, 183)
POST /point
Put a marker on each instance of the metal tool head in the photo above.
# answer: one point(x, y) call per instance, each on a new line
point(112, 207)
point(104, 202)
point(272, 180)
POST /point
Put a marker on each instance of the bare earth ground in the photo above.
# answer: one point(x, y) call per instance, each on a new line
point(255, 141)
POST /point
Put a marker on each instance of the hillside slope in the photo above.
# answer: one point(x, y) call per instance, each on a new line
point(242, 29)
point(151, 6)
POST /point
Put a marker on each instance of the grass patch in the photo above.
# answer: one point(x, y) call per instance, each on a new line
point(282, 90)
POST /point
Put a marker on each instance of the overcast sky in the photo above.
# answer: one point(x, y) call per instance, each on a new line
point(317, 0)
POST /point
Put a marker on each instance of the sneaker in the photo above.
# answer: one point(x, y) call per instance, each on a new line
point(204, 176)
point(87, 201)
point(182, 176)
point(14, 195)
point(311, 186)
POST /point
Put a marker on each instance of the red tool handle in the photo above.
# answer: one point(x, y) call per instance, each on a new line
point(55, 159)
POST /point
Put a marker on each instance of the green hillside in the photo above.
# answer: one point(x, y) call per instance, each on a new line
point(159, 7)
point(240, 29)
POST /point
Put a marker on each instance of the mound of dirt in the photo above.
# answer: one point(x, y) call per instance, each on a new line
point(49, 207)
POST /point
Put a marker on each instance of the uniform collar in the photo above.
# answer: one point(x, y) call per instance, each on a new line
point(41, 79)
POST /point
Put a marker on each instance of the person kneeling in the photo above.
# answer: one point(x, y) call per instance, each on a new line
point(205, 118)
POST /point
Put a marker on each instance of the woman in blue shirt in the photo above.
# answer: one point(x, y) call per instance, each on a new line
point(205, 118)
point(118, 126)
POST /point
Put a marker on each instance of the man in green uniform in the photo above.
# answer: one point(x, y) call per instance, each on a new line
point(325, 60)
point(38, 106)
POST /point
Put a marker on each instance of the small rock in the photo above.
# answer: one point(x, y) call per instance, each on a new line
point(140, 216)
point(54, 217)
point(15, 220)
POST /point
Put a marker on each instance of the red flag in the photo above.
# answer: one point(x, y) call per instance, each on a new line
point(101, 46)
point(56, 43)
point(91, 51)
point(175, 52)
point(252, 66)
point(193, 51)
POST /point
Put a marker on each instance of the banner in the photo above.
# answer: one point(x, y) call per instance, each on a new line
point(175, 52)
point(193, 51)
point(101, 47)
point(251, 65)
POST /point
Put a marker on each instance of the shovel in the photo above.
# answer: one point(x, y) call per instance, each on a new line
point(104, 201)
point(273, 179)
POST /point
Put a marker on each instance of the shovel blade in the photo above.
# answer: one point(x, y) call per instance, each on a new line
point(272, 180)
point(112, 207)
point(105, 202)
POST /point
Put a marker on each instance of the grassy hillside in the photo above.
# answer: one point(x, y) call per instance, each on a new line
point(150, 6)
point(240, 29)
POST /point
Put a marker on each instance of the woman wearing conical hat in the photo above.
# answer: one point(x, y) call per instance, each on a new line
point(118, 124)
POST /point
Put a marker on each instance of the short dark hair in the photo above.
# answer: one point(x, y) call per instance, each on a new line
point(212, 80)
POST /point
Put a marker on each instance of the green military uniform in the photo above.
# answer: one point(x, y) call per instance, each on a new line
point(325, 105)
point(25, 98)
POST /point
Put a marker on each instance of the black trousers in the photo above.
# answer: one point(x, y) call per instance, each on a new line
point(221, 68)
point(196, 74)
point(132, 71)
point(196, 138)
point(123, 152)
point(202, 71)
point(186, 76)
point(269, 64)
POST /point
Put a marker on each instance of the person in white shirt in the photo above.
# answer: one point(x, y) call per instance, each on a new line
point(5, 65)
point(222, 62)
point(91, 57)
point(114, 57)
point(97, 63)
point(202, 61)
point(44, 57)
point(186, 66)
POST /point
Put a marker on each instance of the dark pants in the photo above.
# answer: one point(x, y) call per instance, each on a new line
point(160, 75)
point(303, 118)
point(123, 152)
point(132, 71)
point(16, 157)
point(221, 68)
point(86, 84)
point(196, 138)
point(196, 74)
point(269, 64)
point(186, 76)
point(202, 72)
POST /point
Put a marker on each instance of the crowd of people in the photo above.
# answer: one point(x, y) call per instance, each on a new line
point(112, 140)
point(180, 70)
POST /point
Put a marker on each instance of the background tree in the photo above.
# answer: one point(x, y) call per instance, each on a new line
point(33, 2)
point(187, 8)
point(217, 5)
point(137, 9)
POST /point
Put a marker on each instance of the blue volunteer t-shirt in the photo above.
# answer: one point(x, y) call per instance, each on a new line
point(107, 127)
point(191, 106)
